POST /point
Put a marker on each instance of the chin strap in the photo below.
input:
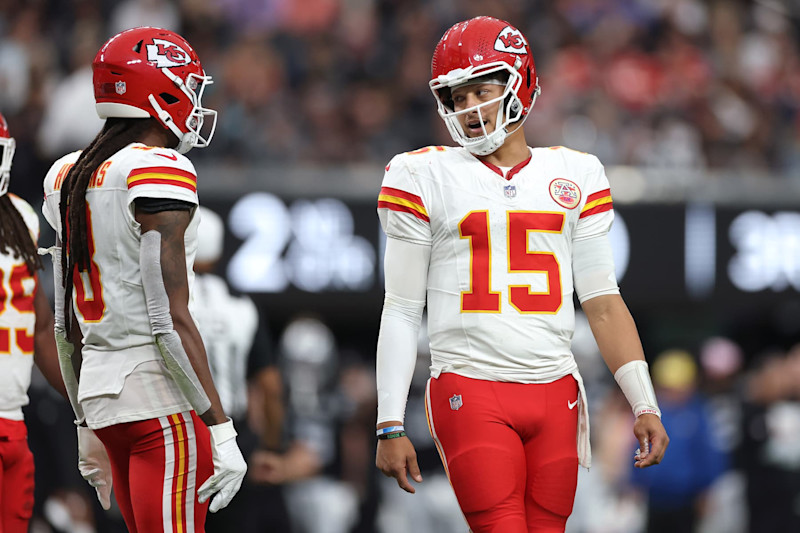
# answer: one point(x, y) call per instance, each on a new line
point(185, 140)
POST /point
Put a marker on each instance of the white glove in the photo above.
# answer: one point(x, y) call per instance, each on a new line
point(94, 465)
point(229, 467)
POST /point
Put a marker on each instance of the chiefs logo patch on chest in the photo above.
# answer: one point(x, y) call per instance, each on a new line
point(565, 193)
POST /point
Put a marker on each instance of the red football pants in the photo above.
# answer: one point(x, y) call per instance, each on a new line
point(509, 449)
point(16, 477)
point(157, 466)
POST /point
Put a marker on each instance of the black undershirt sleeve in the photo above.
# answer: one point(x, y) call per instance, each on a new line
point(157, 205)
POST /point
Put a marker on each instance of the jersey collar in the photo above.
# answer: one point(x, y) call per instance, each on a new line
point(511, 172)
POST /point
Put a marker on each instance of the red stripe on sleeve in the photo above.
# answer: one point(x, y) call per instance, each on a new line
point(158, 181)
point(163, 170)
point(597, 195)
point(599, 209)
point(390, 191)
point(403, 209)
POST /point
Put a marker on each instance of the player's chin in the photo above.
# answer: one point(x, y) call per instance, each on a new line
point(476, 133)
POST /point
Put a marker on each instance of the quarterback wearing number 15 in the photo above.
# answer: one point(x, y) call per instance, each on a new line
point(495, 237)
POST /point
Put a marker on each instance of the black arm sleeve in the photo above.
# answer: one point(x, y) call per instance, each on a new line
point(157, 205)
point(262, 355)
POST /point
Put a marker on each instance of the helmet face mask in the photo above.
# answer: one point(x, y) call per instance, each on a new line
point(474, 50)
point(8, 146)
point(509, 110)
point(151, 72)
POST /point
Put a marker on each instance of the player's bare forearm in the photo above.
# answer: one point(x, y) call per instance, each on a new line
point(614, 330)
point(172, 227)
point(45, 354)
point(268, 380)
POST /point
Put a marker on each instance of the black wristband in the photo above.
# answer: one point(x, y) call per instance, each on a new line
point(392, 435)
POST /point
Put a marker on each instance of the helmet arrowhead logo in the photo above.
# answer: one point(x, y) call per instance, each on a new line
point(167, 54)
point(510, 40)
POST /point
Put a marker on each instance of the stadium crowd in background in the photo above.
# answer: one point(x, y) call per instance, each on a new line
point(688, 84)
point(678, 84)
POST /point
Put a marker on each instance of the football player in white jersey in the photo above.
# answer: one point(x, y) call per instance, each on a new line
point(26, 337)
point(124, 211)
point(495, 236)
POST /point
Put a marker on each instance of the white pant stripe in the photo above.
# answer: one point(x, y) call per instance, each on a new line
point(169, 473)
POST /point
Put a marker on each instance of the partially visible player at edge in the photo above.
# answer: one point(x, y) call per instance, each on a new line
point(495, 236)
point(124, 211)
point(26, 337)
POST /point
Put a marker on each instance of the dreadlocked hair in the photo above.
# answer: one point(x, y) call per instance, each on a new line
point(16, 237)
point(117, 133)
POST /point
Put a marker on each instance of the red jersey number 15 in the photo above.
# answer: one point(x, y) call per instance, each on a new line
point(481, 298)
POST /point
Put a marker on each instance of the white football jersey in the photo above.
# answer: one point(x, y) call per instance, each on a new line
point(17, 321)
point(500, 286)
point(228, 326)
point(109, 301)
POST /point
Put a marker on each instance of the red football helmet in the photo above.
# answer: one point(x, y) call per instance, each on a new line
point(8, 145)
point(492, 50)
point(150, 72)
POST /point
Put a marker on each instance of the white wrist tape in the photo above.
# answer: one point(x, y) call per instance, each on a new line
point(222, 432)
point(167, 339)
point(634, 380)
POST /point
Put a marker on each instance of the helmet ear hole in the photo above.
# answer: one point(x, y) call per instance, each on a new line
point(446, 96)
point(529, 76)
point(138, 47)
point(168, 98)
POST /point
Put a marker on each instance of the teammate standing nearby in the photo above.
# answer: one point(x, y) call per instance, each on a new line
point(124, 211)
point(495, 236)
point(26, 337)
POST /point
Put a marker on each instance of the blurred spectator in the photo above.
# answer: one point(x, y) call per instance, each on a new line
point(155, 13)
point(721, 363)
point(240, 357)
point(676, 491)
point(770, 449)
point(318, 500)
point(686, 84)
point(70, 121)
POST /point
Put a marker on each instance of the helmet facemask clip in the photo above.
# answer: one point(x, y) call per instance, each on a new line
point(8, 145)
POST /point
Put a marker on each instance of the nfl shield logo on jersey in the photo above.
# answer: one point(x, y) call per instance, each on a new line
point(455, 402)
point(120, 87)
point(510, 191)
